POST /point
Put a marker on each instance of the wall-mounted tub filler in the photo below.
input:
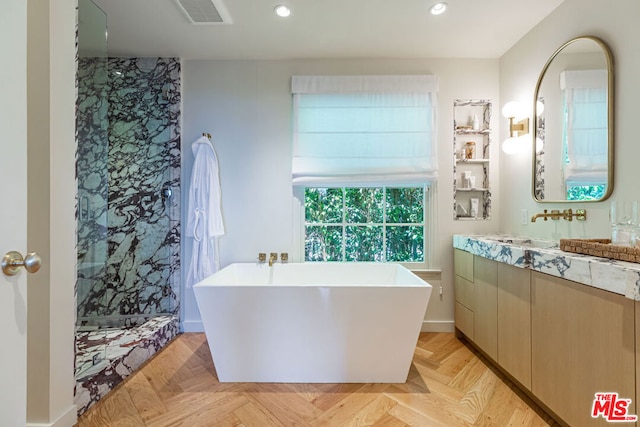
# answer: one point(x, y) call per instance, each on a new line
point(273, 257)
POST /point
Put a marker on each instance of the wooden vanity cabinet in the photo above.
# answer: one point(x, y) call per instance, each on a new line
point(561, 340)
point(514, 322)
point(582, 342)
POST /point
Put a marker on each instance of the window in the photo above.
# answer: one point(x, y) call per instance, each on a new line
point(365, 224)
point(364, 155)
point(586, 192)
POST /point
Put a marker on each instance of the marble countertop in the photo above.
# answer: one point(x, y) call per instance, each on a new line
point(545, 256)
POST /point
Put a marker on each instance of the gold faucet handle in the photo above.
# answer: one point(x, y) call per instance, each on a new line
point(284, 257)
point(262, 257)
point(545, 215)
point(568, 214)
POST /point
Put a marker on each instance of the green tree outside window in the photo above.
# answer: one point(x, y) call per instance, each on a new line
point(365, 224)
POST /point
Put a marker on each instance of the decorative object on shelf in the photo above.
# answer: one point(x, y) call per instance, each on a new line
point(465, 179)
point(470, 150)
point(475, 202)
point(461, 208)
point(475, 122)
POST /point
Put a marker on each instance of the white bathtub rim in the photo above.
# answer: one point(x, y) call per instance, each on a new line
point(353, 274)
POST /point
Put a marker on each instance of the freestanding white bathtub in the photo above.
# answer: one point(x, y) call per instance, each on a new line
point(312, 323)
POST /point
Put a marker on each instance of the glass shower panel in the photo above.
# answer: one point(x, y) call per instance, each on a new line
point(91, 174)
point(91, 165)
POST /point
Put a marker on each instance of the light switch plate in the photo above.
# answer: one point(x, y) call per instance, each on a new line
point(524, 217)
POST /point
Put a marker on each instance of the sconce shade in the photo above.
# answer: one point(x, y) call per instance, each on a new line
point(510, 146)
point(513, 109)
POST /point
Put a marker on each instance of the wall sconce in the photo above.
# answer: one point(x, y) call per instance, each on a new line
point(513, 110)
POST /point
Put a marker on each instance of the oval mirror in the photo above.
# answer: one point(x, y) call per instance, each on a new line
point(573, 124)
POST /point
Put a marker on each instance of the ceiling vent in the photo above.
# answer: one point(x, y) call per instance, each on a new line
point(205, 12)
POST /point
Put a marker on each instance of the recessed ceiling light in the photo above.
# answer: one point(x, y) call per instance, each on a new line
point(438, 8)
point(282, 10)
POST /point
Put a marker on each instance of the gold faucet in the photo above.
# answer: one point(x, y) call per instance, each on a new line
point(262, 257)
point(554, 215)
point(568, 214)
point(284, 257)
point(272, 258)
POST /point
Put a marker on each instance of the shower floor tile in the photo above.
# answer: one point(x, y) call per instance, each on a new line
point(105, 357)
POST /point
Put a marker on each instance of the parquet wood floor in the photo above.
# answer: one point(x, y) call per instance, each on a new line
point(449, 384)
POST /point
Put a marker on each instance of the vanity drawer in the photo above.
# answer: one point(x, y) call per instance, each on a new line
point(464, 292)
point(464, 320)
point(463, 264)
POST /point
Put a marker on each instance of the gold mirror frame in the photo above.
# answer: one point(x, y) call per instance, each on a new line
point(610, 120)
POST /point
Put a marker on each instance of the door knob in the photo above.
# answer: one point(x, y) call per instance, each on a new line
point(13, 260)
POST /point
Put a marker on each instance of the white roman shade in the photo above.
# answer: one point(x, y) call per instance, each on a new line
point(363, 130)
point(585, 97)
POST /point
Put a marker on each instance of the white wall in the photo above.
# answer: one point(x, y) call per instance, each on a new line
point(615, 23)
point(246, 106)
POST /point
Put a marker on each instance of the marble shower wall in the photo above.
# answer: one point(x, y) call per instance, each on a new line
point(140, 277)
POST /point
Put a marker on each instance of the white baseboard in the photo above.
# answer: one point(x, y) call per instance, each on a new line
point(192, 326)
point(67, 419)
point(438, 326)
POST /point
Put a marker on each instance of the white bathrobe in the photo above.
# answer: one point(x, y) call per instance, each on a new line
point(204, 214)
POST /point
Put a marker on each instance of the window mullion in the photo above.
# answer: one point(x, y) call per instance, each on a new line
point(384, 224)
point(344, 224)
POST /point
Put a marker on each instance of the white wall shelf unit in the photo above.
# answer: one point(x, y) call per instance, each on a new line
point(471, 143)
